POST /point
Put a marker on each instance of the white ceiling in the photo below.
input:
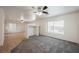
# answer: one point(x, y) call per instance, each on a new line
point(58, 10)
point(52, 10)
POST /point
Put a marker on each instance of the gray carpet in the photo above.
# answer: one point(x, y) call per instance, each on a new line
point(43, 44)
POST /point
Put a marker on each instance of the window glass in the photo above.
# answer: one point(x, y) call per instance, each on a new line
point(56, 26)
point(50, 26)
point(59, 27)
point(12, 27)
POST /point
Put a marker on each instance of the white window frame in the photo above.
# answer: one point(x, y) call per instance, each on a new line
point(54, 24)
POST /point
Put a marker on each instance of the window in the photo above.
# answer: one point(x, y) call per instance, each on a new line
point(56, 27)
point(59, 27)
point(12, 27)
point(50, 26)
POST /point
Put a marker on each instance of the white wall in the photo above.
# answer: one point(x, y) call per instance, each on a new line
point(71, 27)
point(1, 27)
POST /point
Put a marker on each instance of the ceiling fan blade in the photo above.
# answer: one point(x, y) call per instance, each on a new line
point(45, 7)
point(45, 12)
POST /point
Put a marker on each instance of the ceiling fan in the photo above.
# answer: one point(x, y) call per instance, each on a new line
point(40, 9)
point(44, 10)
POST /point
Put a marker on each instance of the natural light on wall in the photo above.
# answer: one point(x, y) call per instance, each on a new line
point(56, 27)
